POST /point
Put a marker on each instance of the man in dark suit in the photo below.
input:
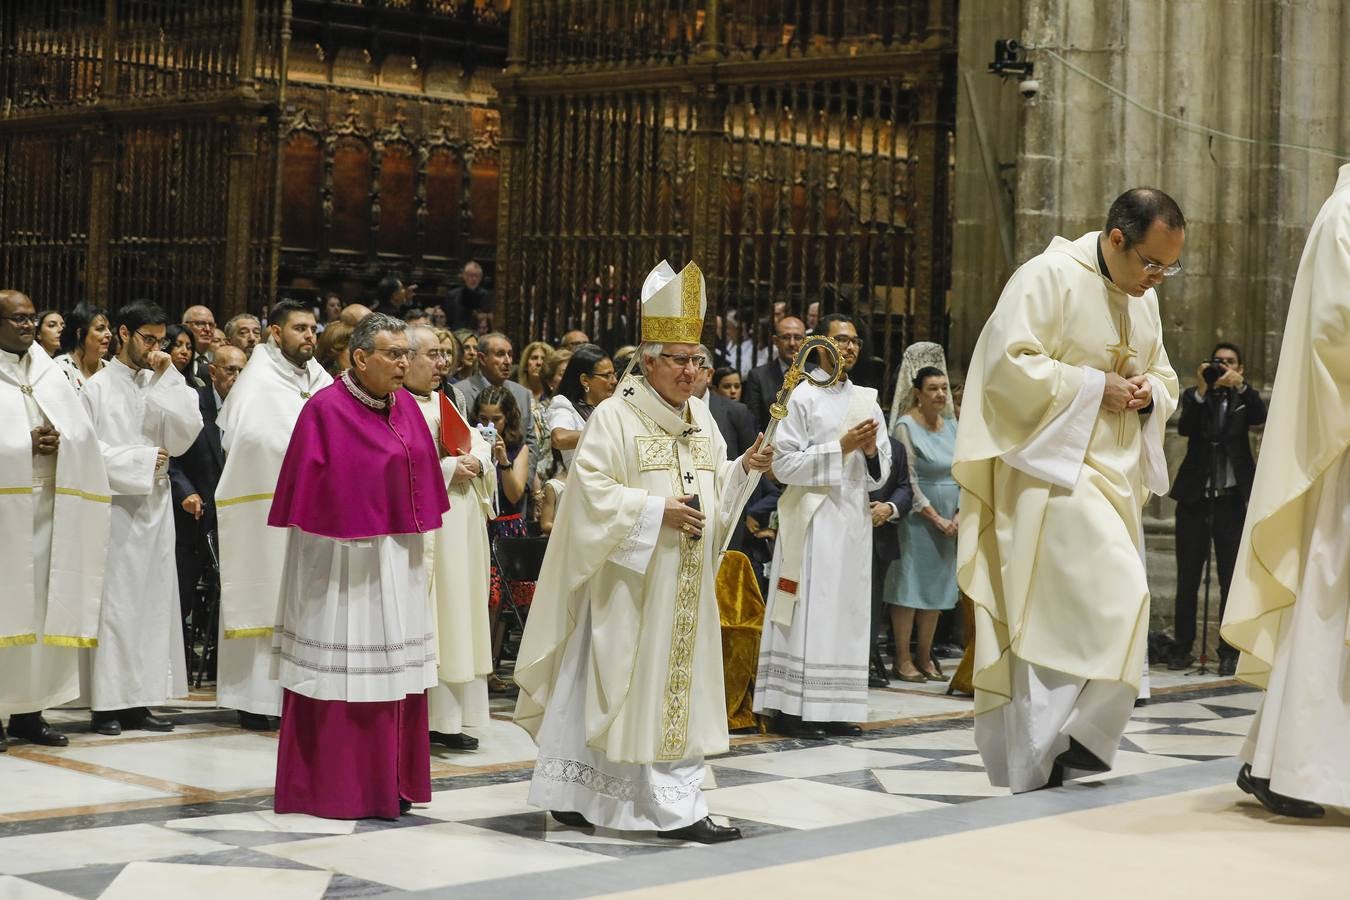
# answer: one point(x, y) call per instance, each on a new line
point(763, 382)
point(469, 305)
point(889, 504)
point(1216, 416)
point(732, 418)
point(193, 477)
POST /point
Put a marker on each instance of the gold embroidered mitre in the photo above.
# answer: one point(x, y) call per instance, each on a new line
point(673, 306)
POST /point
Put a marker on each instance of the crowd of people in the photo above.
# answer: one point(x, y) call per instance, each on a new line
point(349, 471)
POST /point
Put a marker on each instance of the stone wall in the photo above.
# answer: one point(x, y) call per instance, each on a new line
point(1275, 71)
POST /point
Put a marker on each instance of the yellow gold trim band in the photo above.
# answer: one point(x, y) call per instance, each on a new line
point(247, 633)
point(18, 640)
point(246, 498)
point(63, 640)
point(84, 495)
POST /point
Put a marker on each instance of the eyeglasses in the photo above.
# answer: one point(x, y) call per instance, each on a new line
point(610, 375)
point(791, 338)
point(397, 354)
point(21, 320)
point(1157, 268)
point(682, 360)
point(845, 341)
point(151, 341)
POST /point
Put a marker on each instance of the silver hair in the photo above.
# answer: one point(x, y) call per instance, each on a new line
point(648, 352)
point(707, 357)
point(415, 341)
point(233, 325)
point(363, 335)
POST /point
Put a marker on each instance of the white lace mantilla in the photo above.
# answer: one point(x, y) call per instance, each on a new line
point(571, 771)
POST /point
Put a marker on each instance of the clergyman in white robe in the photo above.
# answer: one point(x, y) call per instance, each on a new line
point(139, 661)
point(64, 499)
point(256, 424)
point(814, 649)
point(1289, 603)
point(1052, 493)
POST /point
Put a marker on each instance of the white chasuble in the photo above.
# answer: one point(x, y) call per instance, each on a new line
point(814, 650)
point(457, 564)
point(1287, 606)
point(1052, 487)
point(63, 502)
point(621, 664)
point(256, 422)
point(140, 660)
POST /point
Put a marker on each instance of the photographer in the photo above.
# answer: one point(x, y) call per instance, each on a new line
point(1216, 415)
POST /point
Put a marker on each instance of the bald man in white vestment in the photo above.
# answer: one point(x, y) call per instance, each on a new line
point(1290, 597)
point(53, 486)
point(1059, 447)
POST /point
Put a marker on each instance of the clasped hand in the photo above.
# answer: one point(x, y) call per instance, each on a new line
point(862, 436)
point(1121, 394)
point(46, 440)
point(683, 517)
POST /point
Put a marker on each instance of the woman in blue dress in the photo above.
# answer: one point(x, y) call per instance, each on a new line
point(922, 583)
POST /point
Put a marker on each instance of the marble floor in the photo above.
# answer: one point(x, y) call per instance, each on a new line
point(188, 814)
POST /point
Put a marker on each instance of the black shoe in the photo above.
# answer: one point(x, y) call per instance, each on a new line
point(569, 818)
point(842, 729)
point(1080, 758)
point(794, 727)
point(948, 651)
point(254, 721)
point(105, 723)
point(144, 720)
point(704, 831)
point(457, 741)
point(33, 728)
point(1227, 666)
point(1279, 804)
point(404, 806)
point(876, 681)
point(1179, 660)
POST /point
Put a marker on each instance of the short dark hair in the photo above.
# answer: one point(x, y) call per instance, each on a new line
point(723, 372)
point(78, 322)
point(1135, 211)
point(139, 313)
point(284, 309)
point(926, 373)
point(583, 361)
point(385, 290)
point(1225, 345)
point(823, 326)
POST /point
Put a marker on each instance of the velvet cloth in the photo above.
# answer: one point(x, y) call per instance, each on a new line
point(389, 456)
point(340, 760)
point(961, 680)
point(741, 608)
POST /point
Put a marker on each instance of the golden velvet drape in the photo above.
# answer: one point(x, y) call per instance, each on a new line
point(742, 613)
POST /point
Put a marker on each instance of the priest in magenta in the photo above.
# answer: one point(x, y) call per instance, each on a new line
point(354, 651)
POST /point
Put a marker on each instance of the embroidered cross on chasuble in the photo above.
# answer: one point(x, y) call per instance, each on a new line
point(675, 445)
point(1121, 354)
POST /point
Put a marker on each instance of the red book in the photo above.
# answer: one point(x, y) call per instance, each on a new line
point(454, 430)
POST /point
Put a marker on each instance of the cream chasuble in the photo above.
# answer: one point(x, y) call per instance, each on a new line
point(655, 663)
point(256, 424)
point(1052, 487)
point(457, 563)
point(814, 650)
point(1288, 603)
point(139, 660)
point(63, 502)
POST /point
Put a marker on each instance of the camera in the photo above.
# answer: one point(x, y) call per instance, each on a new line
point(1029, 88)
point(1214, 370)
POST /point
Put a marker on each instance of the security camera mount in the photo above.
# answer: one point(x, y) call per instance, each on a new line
point(1010, 58)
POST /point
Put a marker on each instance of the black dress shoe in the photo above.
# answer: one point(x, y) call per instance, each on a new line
point(404, 806)
point(1279, 804)
point(254, 721)
point(876, 681)
point(569, 818)
point(457, 741)
point(794, 727)
point(843, 729)
point(1080, 758)
point(105, 723)
point(1180, 660)
point(704, 831)
point(145, 720)
point(33, 728)
point(1227, 666)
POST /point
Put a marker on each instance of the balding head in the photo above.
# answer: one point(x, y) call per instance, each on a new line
point(424, 372)
point(203, 324)
point(788, 335)
point(17, 337)
point(354, 313)
point(226, 364)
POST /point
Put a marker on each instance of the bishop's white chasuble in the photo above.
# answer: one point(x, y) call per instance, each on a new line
point(620, 667)
point(1052, 492)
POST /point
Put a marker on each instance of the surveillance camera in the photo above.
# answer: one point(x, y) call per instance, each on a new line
point(1029, 88)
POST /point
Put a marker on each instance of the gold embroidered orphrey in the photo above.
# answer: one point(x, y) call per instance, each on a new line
point(1121, 353)
point(680, 661)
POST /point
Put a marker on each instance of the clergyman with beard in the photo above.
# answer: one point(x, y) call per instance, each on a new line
point(256, 424)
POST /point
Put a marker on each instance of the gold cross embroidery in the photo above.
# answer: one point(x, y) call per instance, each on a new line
point(1121, 350)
